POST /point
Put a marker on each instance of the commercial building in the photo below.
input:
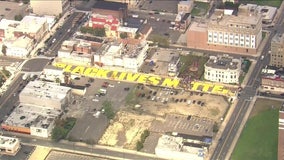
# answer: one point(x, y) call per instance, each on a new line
point(7, 28)
point(272, 79)
point(223, 69)
point(177, 147)
point(267, 12)
point(124, 56)
point(108, 22)
point(19, 47)
point(116, 9)
point(281, 134)
point(277, 51)
point(182, 21)
point(9, 145)
point(225, 32)
point(49, 7)
point(31, 119)
point(185, 6)
point(46, 94)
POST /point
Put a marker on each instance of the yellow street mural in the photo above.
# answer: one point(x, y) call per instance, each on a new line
point(143, 78)
point(121, 76)
point(211, 88)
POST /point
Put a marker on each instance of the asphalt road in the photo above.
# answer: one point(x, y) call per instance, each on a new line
point(62, 34)
point(10, 97)
point(102, 152)
point(244, 101)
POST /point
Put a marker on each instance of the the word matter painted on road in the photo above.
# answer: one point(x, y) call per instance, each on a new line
point(120, 76)
point(211, 88)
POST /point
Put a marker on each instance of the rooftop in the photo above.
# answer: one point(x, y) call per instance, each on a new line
point(278, 38)
point(116, 6)
point(198, 26)
point(173, 143)
point(31, 24)
point(8, 142)
point(45, 90)
point(223, 62)
point(22, 42)
point(118, 49)
point(27, 116)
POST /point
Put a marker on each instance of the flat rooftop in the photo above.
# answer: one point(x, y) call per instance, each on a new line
point(278, 38)
point(25, 116)
point(8, 142)
point(223, 63)
point(198, 26)
point(45, 90)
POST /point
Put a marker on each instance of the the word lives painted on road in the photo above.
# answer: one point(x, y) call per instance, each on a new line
point(120, 76)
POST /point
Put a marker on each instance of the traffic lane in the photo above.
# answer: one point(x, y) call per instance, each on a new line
point(10, 98)
point(35, 64)
point(25, 139)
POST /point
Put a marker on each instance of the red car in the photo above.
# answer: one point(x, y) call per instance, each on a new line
point(105, 84)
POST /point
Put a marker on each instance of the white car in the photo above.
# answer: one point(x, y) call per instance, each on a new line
point(95, 100)
point(111, 85)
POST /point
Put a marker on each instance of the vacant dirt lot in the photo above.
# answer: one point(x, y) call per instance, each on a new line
point(128, 125)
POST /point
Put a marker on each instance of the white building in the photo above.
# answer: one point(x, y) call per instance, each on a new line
point(19, 47)
point(9, 145)
point(131, 32)
point(185, 6)
point(52, 73)
point(241, 31)
point(171, 147)
point(46, 94)
point(7, 28)
point(222, 69)
point(122, 56)
point(31, 119)
point(173, 66)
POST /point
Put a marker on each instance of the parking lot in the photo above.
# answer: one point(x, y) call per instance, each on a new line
point(169, 6)
point(9, 10)
point(24, 153)
point(91, 122)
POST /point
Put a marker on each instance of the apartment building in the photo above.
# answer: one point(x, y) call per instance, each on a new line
point(222, 69)
point(49, 7)
point(277, 51)
point(229, 32)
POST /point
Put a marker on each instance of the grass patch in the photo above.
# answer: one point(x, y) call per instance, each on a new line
point(200, 9)
point(190, 60)
point(273, 3)
point(259, 139)
point(214, 111)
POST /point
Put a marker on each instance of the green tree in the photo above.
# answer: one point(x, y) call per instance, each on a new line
point(57, 80)
point(18, 17)
point(108, 110)
point(58, 133)
point(137, 36)
point(139, 145)
point(123, 35)
point(215, 128)
point(26, 1)
point(4, 49)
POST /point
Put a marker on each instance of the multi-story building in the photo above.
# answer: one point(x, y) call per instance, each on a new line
point(46, 94)
point(9, 145)
point(182, 21)
point(49, 7)
point(277, 51)
point(241, 33)
point(122, 56)
point(19, 47)
point(108, 22)
point(116, 9)
point(222, 69)
point(272, 79)
point(185, 6)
